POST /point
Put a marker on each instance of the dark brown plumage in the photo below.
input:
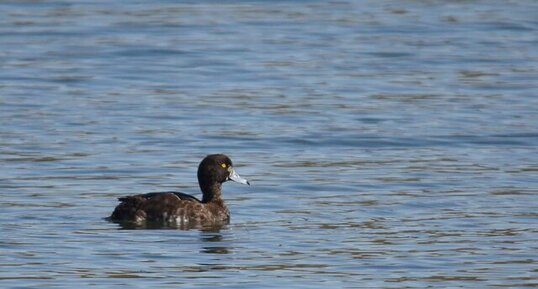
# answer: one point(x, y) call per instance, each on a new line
point(179, 209)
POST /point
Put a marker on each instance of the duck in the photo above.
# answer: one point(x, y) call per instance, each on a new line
point(179, 209)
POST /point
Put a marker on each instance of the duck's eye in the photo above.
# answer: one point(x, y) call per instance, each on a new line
point(223, 165)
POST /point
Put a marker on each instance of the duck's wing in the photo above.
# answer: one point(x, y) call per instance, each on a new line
point(137, 207)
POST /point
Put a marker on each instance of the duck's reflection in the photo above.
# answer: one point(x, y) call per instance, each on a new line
point(213, 241)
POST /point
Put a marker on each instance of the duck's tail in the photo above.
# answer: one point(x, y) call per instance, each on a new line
point(129, 209)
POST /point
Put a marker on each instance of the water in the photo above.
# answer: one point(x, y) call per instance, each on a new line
point(388, 145)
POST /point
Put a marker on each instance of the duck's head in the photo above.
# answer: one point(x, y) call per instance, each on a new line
point(218, 168)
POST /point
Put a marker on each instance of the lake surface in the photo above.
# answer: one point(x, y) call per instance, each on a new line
point(389, 144)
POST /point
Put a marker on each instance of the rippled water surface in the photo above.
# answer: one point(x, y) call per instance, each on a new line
point(388, 144)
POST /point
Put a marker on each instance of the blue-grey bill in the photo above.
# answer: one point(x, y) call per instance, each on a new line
point(237, 178)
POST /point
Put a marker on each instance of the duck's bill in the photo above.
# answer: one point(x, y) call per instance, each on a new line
point(237, 178)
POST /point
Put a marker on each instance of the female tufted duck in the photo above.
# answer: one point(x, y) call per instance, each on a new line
point(181, 210)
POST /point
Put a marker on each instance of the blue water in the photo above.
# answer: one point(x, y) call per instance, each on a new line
point(389, 144)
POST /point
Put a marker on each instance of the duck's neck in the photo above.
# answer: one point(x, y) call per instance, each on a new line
point(211, 192)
